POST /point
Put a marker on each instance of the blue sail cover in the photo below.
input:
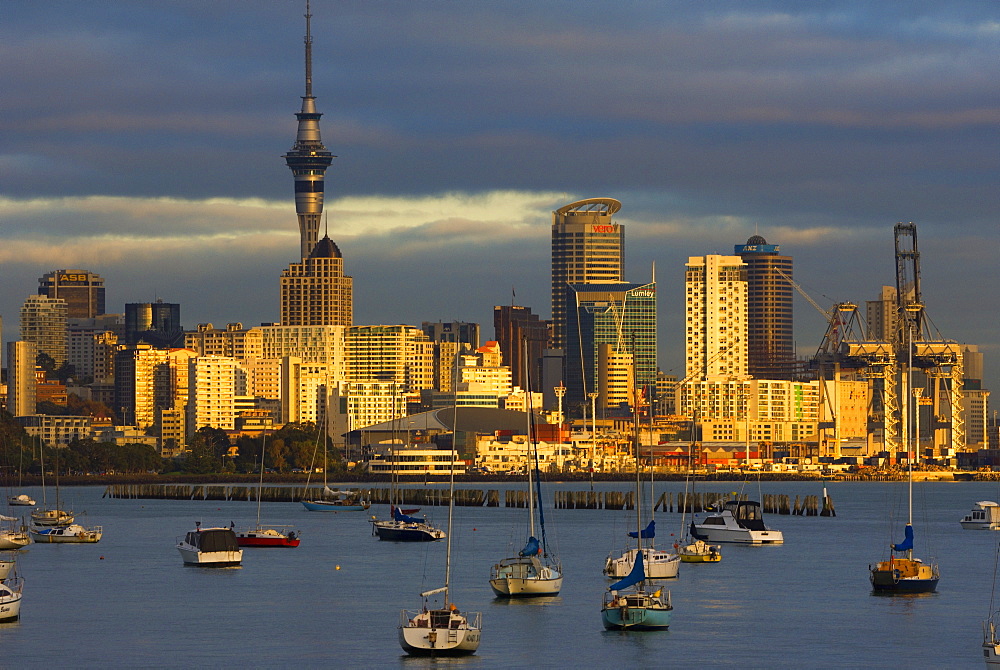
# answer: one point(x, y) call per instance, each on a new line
point(532, 548)
point(637, 575)
point(399, 516)
point(907, 543)
point(648, 532)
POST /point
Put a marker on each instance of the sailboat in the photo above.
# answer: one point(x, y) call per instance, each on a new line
point(401, 527)
point(637, 608)
point(905, 574)
point(658, 563)
point(330, 500)
point(12, 535)
point(534, 571)
point(692, 549)
point(267, 536)
point(46, 516)
point(11, 588)
point(442, 629)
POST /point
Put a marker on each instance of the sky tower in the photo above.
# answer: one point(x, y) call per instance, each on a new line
point(308, 160)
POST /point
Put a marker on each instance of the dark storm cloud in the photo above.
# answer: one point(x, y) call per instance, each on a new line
point(824, 123)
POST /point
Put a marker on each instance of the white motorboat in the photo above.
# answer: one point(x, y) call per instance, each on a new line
point(985, 515)
point(74, 533)
point(23, 500)
point(10, 598)
point(739, 521)
point(210, 547)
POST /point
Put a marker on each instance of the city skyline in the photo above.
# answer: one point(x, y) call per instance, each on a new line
point(139, 148)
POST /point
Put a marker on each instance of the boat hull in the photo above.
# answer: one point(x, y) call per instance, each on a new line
point(253, 538)
point(20, 501)
point(724, 535)
point(636, 618)
point(392, 531)
point(72, 534)
point(904, 576)
point(51, 517)
point(700, 552)
point(991, 654)
point(211, 559)
point(657, 564)
point(10, 603)
point(324, 506)
point(13, 539)
point(439, 633)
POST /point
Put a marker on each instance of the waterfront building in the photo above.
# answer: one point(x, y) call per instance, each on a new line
point(43, 321)
point(514, 454)
point(314, 292)
point(21, 379)
point(56, 430)
point(770, 340)
point(715, 318)
point(214, 384)
point(621, 315)
point(523, 338)
point(233, 341)
point(82, 290)
point(156, 323)
point(398, 354)
point(588, 247)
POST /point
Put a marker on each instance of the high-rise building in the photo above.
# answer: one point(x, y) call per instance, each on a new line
point(523, 338)
point(588, 247)
point(43, 321)
point(214, 382)
point(21, 379)
point(148, 381)
point(400, 354)
point(881, 319)
point(450, 338)
point(770, 340)
point(315, 291)
point(622, 315)
point(156, 323)
point(82, 290)
point(715, 318)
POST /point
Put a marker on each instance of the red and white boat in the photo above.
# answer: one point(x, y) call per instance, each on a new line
point(272, 536)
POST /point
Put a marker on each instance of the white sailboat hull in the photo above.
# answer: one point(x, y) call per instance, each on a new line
point(14, 539)
point(10, 601)
point(525, 578)
point(657, 563)
point(439, 633)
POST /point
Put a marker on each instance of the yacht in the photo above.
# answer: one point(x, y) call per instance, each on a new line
point(210, 547)
point(984, 515)
point(739, 521)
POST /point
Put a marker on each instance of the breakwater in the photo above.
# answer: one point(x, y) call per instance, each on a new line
point(772, 503)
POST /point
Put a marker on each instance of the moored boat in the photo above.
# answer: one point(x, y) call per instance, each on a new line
point(984, 515)
point(12, 535)
point(72, 533)
point(637, 609)
point(336, 501)
point(22, 499)
point(10, 598)
point(740, 522)
point(51, 517)
point(269, 536)
point(210, 547)
point(403, 528)
point(699, 551)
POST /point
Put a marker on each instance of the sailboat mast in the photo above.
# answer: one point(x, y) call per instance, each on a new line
point(451, 484)
point(263, 441)
point(530, 465)
point(906, 422)
point(635, 452)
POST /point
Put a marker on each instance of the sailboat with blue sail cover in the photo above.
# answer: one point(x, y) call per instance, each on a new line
point(628, 605)
point(534, 571)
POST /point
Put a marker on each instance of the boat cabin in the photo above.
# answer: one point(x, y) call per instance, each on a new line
point(213, 539)
point(747, 514)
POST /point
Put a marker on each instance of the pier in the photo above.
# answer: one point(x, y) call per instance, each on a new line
point(771, 503)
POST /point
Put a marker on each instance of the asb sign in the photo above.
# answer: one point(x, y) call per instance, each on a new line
point(69, 278)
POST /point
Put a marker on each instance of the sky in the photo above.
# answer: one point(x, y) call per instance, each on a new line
point(142, 141)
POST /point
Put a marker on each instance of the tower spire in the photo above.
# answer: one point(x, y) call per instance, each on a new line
point(308, 159)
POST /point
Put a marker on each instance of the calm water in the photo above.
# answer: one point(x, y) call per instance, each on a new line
point(129, 600)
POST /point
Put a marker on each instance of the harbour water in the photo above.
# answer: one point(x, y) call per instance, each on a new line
point(129, 602)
